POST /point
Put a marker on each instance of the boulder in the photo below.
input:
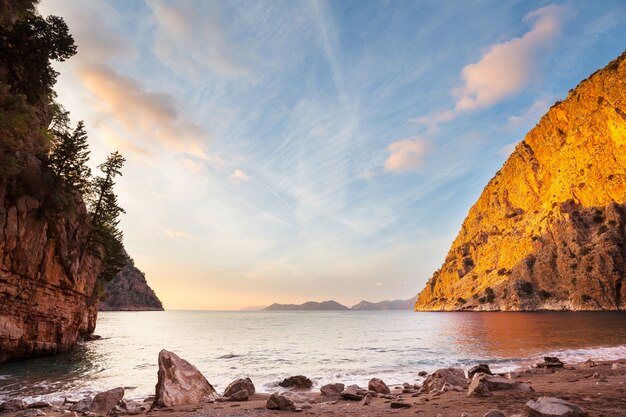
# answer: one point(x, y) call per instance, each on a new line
point(480, 368)
point(125, 407)
point(278, 401)
point(399, 404)
point(241, 395)
point(482, 385)
point(104, 402)
point(494, 413)
point(332, 390)
point(588, 364)
point(13, 405)
point(81, 406)
point(452, 376)
point(238, 385)
point(422, 373)
point(298, 382)
point(366, 400)
point(351, 393)
point(378, 386)
point(180, 383)
point(553, 407)
point(550, 362)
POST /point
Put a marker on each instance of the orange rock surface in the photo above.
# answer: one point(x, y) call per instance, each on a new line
point(549, 230)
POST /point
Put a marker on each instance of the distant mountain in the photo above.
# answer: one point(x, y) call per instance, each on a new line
point(308, 306)
point(252, 308)
point(386, 305)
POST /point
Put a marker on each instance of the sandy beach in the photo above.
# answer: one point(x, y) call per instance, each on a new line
point(600, 390)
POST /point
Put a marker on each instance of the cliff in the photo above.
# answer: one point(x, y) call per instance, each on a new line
point(549, 230)
point(129, 291)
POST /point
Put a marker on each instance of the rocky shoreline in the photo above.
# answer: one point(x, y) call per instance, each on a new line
point(547, 389)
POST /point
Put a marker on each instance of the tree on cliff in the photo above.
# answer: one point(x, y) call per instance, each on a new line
point(69, 156)
point(105, 212)
point(26, 48)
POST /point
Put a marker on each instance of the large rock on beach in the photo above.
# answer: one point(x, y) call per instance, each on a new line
point(482, 385)
point(238, 385)
point(480, 368)
point(553, 407)
point(298, 382)
point(332, 390)
point(378, 386)
point(287, 401)
point(352, 393)
point(437, 380)
point(180, 383)
point(104, 402)
point(13, 405)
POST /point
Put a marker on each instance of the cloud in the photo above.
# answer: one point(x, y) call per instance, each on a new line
point(190, 39)
point(176, 234)
point(405, 155)
point(505, 68)
point(147, 115)
point(239, 175)
point(367, 175)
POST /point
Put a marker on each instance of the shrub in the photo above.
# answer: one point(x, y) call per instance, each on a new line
point(602, 229)
point(525, 288)
point(543, 294)
point(530, 262)
point(585, 298)
point(585, 251)
point(460, 300)
point(490, 295)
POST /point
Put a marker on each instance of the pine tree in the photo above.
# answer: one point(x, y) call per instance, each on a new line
point(105, 212)
point(69, 156)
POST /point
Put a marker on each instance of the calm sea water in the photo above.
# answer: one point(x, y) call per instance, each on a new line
point(346, 346)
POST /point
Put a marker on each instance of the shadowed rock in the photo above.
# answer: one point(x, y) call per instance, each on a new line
point(104, 402)
point(238, 385)
point(553, 407)
point(298, 382)
point(331, 390)
point(180, 383)
point(378, 386)
point(482, 385)
point(437, 380)
point(480, 368)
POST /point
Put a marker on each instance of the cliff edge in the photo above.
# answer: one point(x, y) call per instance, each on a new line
point(129, 291)
point(549, 230)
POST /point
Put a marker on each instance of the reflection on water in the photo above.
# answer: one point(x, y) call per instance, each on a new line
point(348, 346)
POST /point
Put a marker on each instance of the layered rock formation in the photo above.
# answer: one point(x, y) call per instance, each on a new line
point(549, 230)
point(129, 291)
point(47, 278)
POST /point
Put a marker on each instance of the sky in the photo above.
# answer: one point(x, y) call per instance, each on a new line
point(291, 150)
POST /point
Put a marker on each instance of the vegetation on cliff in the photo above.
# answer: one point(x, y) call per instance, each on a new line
point(549, 230)
point(129, 291)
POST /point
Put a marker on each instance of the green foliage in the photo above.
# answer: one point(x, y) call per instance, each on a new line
point(490, 295)
point(105, 211)
point(9, 167)
point(26, 49)
point(69, 156)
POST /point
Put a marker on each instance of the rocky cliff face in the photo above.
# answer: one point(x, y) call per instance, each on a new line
point(47, 278)
point(129, 291)
point(549, 230)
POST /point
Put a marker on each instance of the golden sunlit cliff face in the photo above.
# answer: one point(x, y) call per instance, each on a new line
point(549, 230)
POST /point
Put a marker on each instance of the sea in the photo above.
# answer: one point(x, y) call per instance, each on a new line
point(329, 346)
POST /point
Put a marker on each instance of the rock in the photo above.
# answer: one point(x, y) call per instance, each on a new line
point(494, 413)
point(351, 393)
point(588, 364)
point(366, 400)
point(13, 405)
point(480, 368)
point(239, 384)
point(618, 366)
point(452, 376)
point(378, 386)
point(104, 402)
point(279, 401)
point(81, 406)
point(40, 404)
point(331, 390)
point(482, 385)
point(129, 291)
point(547, 230)
point(33, 412)
point(180, 383)
point(126, 407)
point(550, 362)
point(465, 415)
point(399, 404)
point(422, 373)
point(298, 382)
point(553, 407)
point(241, 395)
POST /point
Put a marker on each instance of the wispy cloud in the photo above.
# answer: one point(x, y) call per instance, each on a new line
point(176, 234)
point(505, 68)
point(238, 175)
point(191, 39)
point(405, 155)
point(146, 115)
